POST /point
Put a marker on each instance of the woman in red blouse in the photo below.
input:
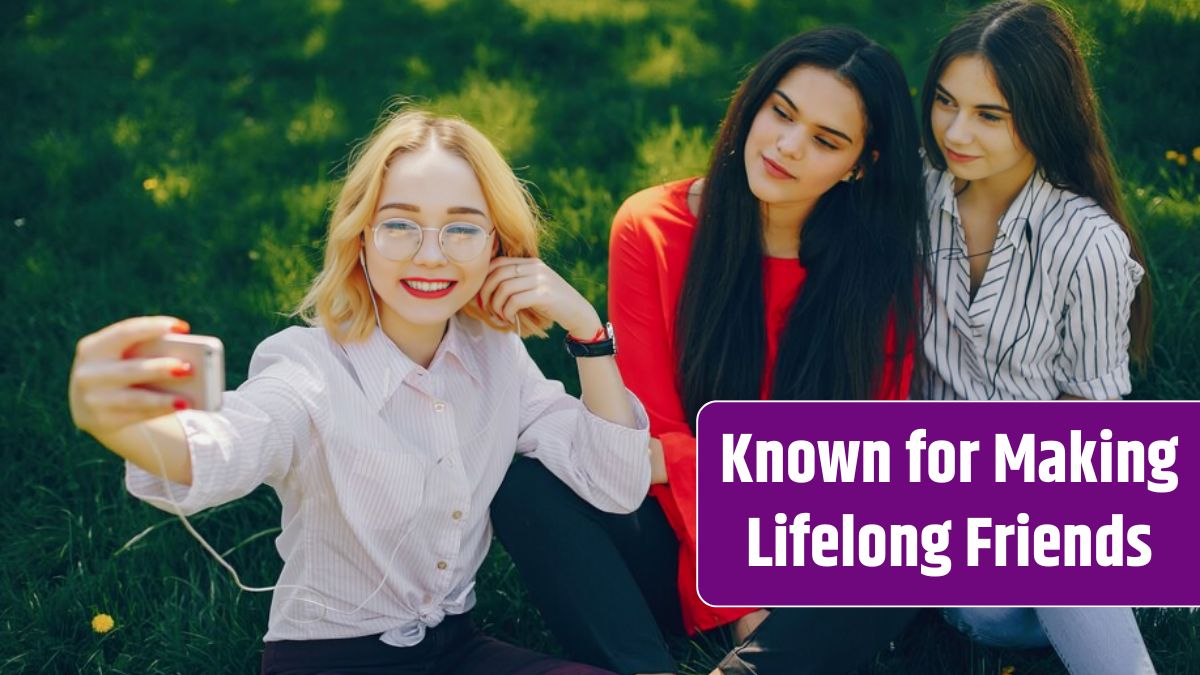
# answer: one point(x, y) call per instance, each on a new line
point(789, 271)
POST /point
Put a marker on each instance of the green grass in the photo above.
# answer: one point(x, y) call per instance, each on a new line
point(180, 159)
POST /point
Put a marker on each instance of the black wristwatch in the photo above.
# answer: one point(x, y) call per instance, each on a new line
point(605, 347)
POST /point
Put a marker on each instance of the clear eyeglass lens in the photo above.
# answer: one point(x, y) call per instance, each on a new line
point(400, 239)
point(397, 239)
point(463, 241)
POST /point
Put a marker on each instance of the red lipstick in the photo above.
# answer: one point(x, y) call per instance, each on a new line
point(774, 170)
point(956, 157)
point(411, 285)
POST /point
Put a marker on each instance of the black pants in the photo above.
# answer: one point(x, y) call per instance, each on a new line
point(453, 647)
point(606, 586)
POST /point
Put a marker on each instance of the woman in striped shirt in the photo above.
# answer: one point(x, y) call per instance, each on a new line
point(387, 426)
point(1035, 285)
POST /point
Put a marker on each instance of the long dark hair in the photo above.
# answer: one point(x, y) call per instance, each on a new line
point(1041, 73)
point(859, 246)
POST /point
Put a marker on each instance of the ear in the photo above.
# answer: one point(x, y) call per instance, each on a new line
point(857, 172)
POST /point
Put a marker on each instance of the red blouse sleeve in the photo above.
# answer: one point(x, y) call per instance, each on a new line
point(893, 384)
point(641, 306)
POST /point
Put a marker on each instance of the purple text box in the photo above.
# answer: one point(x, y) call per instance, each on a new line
point(726, 577)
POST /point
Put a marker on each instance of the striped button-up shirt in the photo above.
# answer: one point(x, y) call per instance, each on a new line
point(1051, 314)
point(385, 469)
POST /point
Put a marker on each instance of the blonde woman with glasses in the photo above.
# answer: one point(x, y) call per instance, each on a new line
point(387, 425)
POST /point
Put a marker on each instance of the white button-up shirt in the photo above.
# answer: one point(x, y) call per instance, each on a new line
point(385, 470)
point(1051, 315)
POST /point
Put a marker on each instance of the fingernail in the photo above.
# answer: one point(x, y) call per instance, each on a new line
point(180, 404)
point(180, 327)
point(182, 370)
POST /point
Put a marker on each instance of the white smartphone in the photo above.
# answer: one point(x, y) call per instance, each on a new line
point(203, 388)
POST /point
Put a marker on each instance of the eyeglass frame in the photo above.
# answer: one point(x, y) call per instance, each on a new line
point(421, 241)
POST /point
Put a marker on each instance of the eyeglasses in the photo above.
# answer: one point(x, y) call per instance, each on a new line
point(399, 239)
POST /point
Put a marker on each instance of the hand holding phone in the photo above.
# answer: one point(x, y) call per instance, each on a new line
point(203, 387)
point(117, 382)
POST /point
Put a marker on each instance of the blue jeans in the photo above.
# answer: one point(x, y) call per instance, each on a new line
point(1089, 640)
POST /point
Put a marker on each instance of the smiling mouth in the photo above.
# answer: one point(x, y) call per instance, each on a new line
point(423, 288)
point(959, 157)
point(774, 169)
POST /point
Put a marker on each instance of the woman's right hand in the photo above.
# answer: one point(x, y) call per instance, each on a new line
point(658, 463)
point(104, 388)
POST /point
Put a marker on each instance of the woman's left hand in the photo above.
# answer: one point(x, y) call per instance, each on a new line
point(514, 284)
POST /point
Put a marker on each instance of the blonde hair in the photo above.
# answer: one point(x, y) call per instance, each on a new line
point(339, 298)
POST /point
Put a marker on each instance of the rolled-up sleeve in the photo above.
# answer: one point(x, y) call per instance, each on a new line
point(253, 439)
point(605, 463)
point(1094, 361)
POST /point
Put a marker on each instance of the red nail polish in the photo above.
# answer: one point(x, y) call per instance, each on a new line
point(182, 370)
point(180, 404)
point(181, 327)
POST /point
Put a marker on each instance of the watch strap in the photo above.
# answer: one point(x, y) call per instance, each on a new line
point(606, 345)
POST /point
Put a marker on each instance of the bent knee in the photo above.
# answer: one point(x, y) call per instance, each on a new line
point(1014, 627)
point(528, 489)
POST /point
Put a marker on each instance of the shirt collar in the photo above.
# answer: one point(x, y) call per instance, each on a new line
point(944, 193)
point(464, 343)
point(1024, 210)
point(380, 367)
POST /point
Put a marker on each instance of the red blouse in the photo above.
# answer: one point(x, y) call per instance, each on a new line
point(648, 256)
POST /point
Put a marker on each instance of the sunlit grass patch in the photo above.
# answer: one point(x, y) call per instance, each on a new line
point(596, 11)
point(669, 56)
point(142, 66)
point(433, 5)
point(671, 151)
point(170, 185)
point(315, 122)
point(314, 42)
point(326, 7)
point(286, 263)
point(126, 133)
point(1180, 10)
point(503, 109)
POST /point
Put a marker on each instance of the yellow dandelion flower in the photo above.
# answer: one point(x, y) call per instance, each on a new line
point(1008, 670)
point(1181, 160)
point(151, 183)
point(102, 623)
point(1196, 153)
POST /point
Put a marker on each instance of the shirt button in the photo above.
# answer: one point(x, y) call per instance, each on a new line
point(457, 515)
point(439, 406)
point(441, 564)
